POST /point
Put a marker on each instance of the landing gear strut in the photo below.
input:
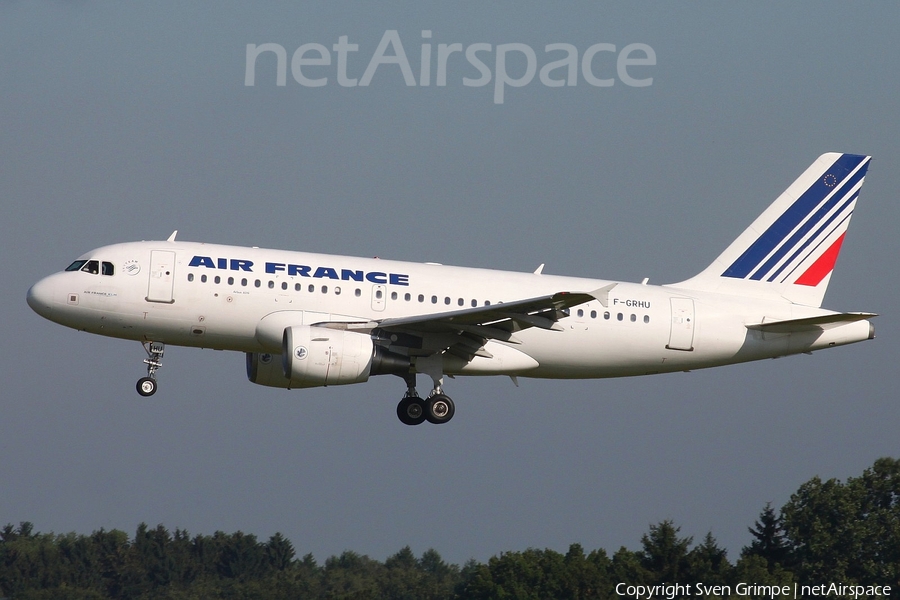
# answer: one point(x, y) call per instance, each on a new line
point(438, 408)
point(146, 386)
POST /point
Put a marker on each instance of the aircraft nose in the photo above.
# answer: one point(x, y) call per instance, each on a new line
point(40, 297)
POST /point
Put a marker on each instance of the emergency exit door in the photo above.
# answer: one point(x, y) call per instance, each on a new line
point(162, 276)
point(681, 335)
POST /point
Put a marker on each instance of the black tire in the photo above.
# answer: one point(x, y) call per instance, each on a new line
point(439, 409)
point(146, 386)
point(411, 411)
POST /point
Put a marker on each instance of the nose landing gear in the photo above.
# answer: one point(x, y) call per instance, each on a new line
point(146, 386)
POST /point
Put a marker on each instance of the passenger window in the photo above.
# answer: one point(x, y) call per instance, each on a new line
point(311, 288)
point(218, 279)
point(633, 318)
point(620, 316)
point(244, 282)
point(284, 285)
point(271, 285)
point(324, 289)
point(203, 279)
point(474, 303)
point(434, 299)
point(297, 287)
point(231, 281)
point(580, 312)
point(407, 297)
point(460, 301)
point(593, 314)
point(606, 315)
point(357, 293)
point(646, 318)
point(107, 268)
point(337, 291)
point(421, 298)
point(190, 276)
point(393, 295)
point(378, 294)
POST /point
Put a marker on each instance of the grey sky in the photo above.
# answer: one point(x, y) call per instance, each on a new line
point(124, 122)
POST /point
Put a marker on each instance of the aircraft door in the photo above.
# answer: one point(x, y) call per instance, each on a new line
point(162, 276)
point(681, 336)
point(378, 297)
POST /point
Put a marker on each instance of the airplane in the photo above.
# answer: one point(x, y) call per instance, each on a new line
point(308, 320)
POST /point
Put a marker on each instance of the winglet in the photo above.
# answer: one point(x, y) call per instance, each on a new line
point(602, 294)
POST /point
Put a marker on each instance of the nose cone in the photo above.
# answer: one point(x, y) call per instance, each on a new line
point(40, 297)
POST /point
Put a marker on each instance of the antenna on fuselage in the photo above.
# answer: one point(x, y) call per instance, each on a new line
point(172, 237)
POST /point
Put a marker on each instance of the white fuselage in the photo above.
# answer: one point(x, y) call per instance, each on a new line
point(237, 298)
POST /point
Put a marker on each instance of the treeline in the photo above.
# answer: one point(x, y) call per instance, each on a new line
point(828, 532)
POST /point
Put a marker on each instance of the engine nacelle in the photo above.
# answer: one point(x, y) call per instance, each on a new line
point(315, 356)
point(318, 356)
point(265, 369)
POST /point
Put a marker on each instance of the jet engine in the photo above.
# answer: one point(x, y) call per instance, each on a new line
point(265, 369)
point(318, 356)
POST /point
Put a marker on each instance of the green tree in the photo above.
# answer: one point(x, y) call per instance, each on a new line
point(753, 568)
point(665, 555)
point(708, 563)
point(770, 541)
point(848, 531)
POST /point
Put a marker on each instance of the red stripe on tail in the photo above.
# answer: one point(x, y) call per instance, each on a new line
point(823, 265)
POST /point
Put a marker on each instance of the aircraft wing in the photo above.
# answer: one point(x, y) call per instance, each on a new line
point(465, 332)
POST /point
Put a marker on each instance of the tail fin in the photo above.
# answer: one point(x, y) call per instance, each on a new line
point(791, 248)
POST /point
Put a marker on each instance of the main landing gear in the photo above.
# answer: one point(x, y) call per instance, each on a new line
point(437, 408)
point(146, 386)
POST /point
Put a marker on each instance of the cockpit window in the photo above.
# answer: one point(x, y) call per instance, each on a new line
point(75, 266)
point(107, 268)
point(92, 267)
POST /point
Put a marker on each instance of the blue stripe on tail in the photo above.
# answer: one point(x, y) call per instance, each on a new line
point(776, 234)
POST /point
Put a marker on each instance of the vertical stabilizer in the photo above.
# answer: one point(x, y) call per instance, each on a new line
point(790, 250)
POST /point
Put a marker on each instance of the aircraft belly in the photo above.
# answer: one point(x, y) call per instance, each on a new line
point(504, 360)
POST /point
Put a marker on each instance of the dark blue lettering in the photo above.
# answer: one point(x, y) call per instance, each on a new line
point(202, 261)
point(223, 263)
point(241, 265)
point(348, 275)
point(377, 277)
point(326, 272)
point(274, 267)
point(301, 270)
point(398, 279)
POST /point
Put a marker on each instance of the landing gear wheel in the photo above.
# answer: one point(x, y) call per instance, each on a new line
point(411, 410)
point(439, 409)
point(146, 386)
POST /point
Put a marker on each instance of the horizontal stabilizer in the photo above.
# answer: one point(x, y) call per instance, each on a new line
point(811, 323)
